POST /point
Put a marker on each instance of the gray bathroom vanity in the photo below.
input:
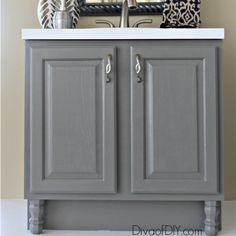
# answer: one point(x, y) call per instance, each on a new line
point(124, 129)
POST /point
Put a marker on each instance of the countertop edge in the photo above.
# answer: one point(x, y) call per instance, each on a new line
point(122, 34)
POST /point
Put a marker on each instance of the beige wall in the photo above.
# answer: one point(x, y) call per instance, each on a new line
point(22, 14)
point(15, 15)
point(213, 16)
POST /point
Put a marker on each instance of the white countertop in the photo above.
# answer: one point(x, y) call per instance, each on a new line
point(121, 33)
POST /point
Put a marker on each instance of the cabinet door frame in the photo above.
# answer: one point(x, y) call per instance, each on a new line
point(36, 183)
point(208, 182)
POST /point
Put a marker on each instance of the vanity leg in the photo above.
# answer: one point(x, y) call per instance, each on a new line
point(36, 211)
point(213, 216)
point(220, 216)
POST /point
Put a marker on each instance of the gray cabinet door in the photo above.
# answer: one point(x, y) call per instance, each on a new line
point(72, 119)
point(174, 142)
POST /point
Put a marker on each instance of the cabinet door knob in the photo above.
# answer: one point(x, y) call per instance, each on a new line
point(138, 68)
point(108, 68)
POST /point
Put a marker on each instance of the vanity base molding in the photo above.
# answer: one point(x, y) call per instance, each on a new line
point(127, 215)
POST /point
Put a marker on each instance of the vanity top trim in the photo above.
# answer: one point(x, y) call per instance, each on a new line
point(121, 34)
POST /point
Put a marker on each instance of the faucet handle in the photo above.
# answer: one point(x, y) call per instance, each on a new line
point(140, 22)
point(106, 22)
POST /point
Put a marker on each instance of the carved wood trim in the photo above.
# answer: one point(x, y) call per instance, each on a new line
point(36, 211)
point(213, 217)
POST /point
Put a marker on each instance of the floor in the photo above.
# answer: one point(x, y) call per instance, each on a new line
point(13, 222)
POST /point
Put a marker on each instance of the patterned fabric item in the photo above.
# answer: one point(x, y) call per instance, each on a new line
point(181, 14)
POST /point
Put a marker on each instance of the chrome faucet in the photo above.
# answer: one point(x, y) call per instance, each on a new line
point(124, 18)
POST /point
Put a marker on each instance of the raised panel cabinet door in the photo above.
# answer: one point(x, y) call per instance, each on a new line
point(174, 142)
point(72, 119)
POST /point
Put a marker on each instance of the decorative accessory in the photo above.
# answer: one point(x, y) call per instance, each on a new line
point(181, 14)
point(47, 9)
point(62, 18)
point(113, 8)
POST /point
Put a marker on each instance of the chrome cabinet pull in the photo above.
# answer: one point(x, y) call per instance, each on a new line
point(108, 68)
point(138, 68)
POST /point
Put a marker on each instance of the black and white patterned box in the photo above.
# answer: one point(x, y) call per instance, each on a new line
point(181, 14)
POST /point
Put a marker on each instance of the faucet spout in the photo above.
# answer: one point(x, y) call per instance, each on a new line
point(124, 18)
